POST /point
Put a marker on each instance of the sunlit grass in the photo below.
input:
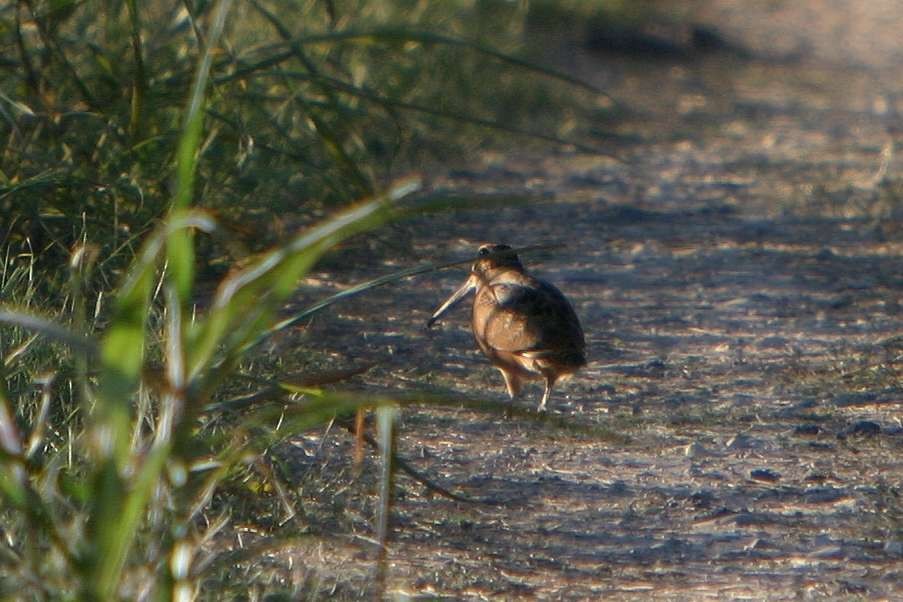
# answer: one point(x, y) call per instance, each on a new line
point(309, 107)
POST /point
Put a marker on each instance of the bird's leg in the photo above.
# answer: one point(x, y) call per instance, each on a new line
point(550, 382)
point(513, 384)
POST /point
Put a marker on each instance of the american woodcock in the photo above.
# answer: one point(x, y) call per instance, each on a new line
point(525, 326)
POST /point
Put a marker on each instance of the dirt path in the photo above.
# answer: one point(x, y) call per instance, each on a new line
point(739, 282)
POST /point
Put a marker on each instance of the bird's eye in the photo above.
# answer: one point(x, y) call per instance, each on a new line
point(483, 252)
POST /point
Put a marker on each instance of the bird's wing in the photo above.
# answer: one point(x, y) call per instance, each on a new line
point(533, 318)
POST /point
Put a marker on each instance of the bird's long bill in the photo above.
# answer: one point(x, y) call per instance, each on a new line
point(469, 285)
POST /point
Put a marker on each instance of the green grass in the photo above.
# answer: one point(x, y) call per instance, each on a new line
point(152, 148)
point(308, 109)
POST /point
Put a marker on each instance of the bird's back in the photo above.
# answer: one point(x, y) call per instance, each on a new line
point(518, 315)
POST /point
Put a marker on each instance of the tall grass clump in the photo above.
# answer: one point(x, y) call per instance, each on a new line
point(311, 106)
point(149, 149)
point(111, 511)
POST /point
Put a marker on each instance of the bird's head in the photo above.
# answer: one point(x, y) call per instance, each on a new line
point(493, 256)
point(490, 257)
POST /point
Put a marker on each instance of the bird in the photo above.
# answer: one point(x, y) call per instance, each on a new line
point(525, 326)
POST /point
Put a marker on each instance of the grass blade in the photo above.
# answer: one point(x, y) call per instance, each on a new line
point(400, 35)
point(117, 505)
point(382, 281)
point(49, 329)
point(123, 345)
point(277, 272)
point(385, 425)
point(116, 520)
point(192, 126)
point(139, 79)
point(118, 509)
point(385, 421)
point(180, 246)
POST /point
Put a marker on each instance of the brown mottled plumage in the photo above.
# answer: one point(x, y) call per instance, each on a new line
point(525, 326)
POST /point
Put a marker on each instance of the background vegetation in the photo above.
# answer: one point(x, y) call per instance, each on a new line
point(311, 105)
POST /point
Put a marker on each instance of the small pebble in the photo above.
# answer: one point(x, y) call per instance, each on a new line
point(695, 450)
point(808, 430)
point(841, 302)
point(862, 428)
point(764, 474)
point(828, 553)
point(740, 441)
point(825, 254)
point(866, 428)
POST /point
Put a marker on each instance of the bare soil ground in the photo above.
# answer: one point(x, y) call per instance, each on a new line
point(739, 279)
